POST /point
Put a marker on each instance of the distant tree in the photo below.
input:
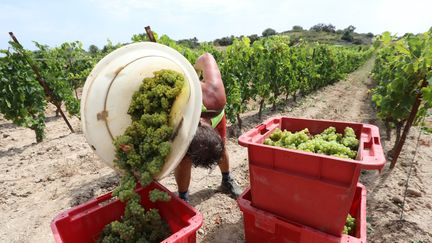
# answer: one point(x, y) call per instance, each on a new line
point(324, 27)
point(350, 28)
point(109, 47)
point(224, 41)
point(191, 43)
point(357, 42)
point(317, 27)
point(348, 34)
point(253, 38)
point(297, 28)
point(93, 50)
point(269, 32)
point(216, 42)
point(329, 28)
point(370, 35)
point(229, 40)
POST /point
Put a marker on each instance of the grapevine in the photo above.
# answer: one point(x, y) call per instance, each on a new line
point(237, 65)
point(29, 80)
point(402, 69)
point(270, 68)
point(265, 70)
point(54, 70)
point(22, 98)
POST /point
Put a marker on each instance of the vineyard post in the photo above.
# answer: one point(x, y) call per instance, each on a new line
point(150, 34)
point(42, 82)
point(408, 124)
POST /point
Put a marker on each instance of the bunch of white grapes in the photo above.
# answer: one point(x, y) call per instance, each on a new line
point(328, 142)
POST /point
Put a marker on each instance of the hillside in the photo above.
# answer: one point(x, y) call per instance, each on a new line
point(328, 37)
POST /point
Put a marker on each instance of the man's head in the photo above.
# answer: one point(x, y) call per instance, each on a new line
point(206, 147)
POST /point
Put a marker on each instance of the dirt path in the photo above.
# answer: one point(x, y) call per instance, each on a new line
point(40, 180)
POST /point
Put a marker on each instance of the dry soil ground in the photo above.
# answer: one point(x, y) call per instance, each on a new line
point(40, 180)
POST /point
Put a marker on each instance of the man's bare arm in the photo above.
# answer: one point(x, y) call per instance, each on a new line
point(212, 86)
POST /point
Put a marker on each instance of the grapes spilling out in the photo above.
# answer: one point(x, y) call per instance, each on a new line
point(140, 153)
point(328, 142)
point(349, 225)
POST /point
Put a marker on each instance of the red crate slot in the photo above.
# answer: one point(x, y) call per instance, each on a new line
point(261, 226)
point(85, 222)
point(312, 189)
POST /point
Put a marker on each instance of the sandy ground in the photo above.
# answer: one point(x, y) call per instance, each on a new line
point(40, 180)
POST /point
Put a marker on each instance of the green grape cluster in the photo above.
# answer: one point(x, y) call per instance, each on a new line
point(349, 225)
point(328, 142)
point(158, 195)
point(137, 225)
point(146, 142)
point(141, 152)
point(350, 139)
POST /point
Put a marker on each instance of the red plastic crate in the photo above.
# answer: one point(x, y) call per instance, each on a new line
point(312, 189)
point(261, 226)
point(85, 222)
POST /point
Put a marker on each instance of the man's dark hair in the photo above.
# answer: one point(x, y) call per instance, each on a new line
point(206, 147)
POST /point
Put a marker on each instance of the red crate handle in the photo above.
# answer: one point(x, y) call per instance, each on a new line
point(372, 154)
point(260, 131)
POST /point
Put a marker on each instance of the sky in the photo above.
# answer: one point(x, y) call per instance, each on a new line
point(95, 21)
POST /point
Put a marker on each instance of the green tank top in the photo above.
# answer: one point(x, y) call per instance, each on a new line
point(215, 120)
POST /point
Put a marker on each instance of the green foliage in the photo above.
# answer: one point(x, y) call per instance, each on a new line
point(22, 98)
point(93, 50)
point(269, 32)
point(190, 43)
point(210, 48)
point(400, 68)
point(270, 67)
point(253, 38)
point(224, 41)
point(328, 142)
point(143, 37)
point(348, 34)
point(236, 72)
point(190, 54)
point(324, 27)
point(108, 48)
point(63, 68)
point(297, 28)
point(252, 68)
point(273, 69)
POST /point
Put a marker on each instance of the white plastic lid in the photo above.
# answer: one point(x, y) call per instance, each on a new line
point(108, 92)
